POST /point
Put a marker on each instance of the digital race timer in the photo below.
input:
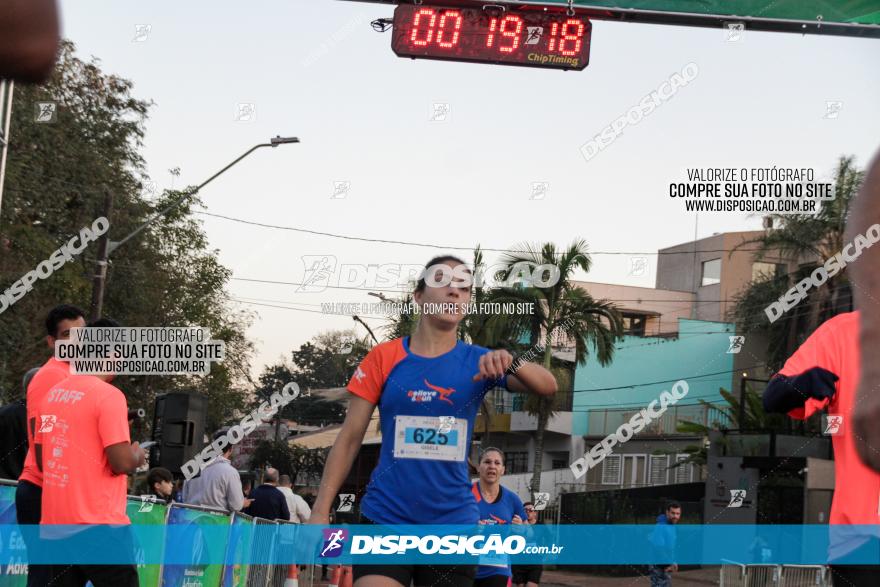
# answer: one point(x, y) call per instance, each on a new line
point(539, 39)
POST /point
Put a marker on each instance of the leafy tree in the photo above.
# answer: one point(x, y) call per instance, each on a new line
point(328, 360)
point(562, 308)
point(289, 459)
point(57, 175)
point(806, 241)
point(728, 418)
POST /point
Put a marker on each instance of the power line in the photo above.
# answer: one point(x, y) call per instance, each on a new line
point(634, 385)
point(449, 247)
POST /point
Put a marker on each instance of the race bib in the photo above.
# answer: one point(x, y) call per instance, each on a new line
point(433, 438)
point(493, 560)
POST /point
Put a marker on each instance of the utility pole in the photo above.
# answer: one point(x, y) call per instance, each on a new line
point(99, 281)
point(6, 88)
point(106, 246)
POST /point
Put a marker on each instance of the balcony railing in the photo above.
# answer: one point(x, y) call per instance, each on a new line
point(606, 421)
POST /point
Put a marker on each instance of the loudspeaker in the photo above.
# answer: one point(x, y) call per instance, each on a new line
point(178, 429)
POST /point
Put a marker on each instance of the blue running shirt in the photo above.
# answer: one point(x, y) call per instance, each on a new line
point(427, 408)
point(500, 511)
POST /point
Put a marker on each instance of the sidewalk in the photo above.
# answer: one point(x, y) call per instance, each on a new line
point(696, 578)
point(704, 577)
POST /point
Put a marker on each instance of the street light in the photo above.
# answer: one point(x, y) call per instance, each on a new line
point(106, 247)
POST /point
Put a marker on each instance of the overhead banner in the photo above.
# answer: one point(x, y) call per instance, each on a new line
point(841, 17)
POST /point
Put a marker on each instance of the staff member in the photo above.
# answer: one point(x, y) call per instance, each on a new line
point(428, 388)
point(497, 506)
point(823, 374)
point(83, 448)
point(29, 492)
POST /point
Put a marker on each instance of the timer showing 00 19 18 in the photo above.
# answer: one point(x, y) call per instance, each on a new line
point(532, 38)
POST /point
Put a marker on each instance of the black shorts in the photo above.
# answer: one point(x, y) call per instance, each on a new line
point(492, 581)
point(527, 574)
point(421, 575)
point(855, 575)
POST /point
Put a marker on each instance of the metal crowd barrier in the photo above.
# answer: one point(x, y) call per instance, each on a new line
point(734, 574)
point(805, 576)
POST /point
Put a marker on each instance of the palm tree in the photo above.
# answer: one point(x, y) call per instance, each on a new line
point(561, 308)
point(806, 241)
point(728, 418)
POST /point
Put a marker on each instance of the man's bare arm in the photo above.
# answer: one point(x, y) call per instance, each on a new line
point(28, 39)
point(864, 274)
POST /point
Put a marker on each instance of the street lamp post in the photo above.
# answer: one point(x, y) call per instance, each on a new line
point(109, 247)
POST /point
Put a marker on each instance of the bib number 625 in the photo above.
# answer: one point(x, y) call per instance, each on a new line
point(429, 436)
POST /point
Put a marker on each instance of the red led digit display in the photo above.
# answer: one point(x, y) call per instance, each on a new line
point(534, 38)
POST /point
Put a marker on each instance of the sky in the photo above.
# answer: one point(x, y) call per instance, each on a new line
point(316, 70)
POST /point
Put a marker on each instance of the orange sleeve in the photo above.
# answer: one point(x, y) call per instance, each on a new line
point(819, 350)
point(369, 378)
point(113, 419)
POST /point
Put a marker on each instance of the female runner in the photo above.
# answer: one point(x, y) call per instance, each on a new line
point(497, 506)
point(427, 387)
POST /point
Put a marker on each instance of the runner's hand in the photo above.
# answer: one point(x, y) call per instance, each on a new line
point(493, 365)
point(516, 520)
point(672, 569)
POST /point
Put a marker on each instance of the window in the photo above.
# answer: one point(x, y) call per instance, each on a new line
point(766, 270)
point(560, 461)
point(659, 474)
point(517, 462)
point(711, 272)
point(611, 471)
point(682, 473)
point(634, 324)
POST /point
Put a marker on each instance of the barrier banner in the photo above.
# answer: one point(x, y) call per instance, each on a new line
point(235, 573)
point(13, 554)
point(145, 510)
point(205, 532)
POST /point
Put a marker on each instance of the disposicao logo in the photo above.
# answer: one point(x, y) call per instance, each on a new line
point(334, 542)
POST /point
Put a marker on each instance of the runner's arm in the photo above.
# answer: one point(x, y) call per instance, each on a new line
point(532, 378)
point(864, 213)
point(527, 377)
point(342, 456)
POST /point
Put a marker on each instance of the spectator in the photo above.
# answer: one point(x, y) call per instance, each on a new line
point(84, 450)
point(161, 484)
point(299, 509)
point(218, 486)
point(663, 542)
point(267, 501)
point(28, 493)
point(178, 490)
point(13, 432)
point(528, 575)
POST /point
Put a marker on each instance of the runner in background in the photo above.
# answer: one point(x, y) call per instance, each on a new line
point(823, 374)
point(497, 506)
point(29, 492)
point(528, 575)
point(663, 541)
point(428, 388)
